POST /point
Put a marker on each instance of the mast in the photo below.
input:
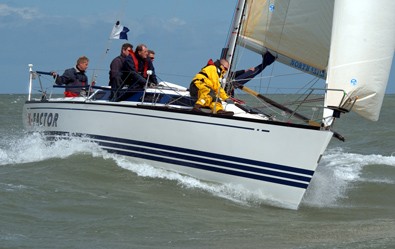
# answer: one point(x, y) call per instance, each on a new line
point(229, 51)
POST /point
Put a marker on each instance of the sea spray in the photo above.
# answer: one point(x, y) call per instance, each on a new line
point(336, 174)
point(33, 147)
point(233, 192)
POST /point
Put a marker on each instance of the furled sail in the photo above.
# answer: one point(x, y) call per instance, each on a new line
point(362, 48)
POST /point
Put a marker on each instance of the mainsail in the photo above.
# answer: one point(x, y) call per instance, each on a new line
point(297, 31)
point(349, 43)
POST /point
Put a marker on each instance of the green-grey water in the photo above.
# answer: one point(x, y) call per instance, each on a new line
point(71, 194)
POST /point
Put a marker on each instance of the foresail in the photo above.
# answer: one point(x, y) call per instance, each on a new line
point(298, 32)
point(363, 43)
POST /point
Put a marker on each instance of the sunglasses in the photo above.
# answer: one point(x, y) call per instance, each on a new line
point(224, 68)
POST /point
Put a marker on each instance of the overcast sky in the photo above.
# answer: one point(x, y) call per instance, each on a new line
point(53, 34)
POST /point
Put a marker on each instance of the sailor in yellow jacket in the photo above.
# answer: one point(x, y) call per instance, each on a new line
point(206, 87)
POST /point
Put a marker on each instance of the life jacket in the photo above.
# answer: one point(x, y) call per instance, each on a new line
point(136, 64)
point(135, 61)
point(217, 64)
point(145, 68)
point(210, 62)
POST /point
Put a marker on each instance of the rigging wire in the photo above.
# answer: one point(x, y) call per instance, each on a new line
point(243, 32)
point(272, 69)
point(230, 29)
point(119, 16)
point(281, 34)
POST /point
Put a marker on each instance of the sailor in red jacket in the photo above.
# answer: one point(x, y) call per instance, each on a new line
point(130, 76)
point(144, 63)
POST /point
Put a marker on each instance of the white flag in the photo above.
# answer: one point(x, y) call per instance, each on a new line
point(119, 32)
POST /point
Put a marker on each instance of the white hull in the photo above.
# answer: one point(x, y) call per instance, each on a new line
point(274, 159)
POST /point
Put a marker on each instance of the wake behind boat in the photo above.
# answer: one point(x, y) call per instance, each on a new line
point(267, 155)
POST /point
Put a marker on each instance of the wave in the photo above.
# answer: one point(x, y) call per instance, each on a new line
point(337, 171)
point(227, 191)
point(34, 148)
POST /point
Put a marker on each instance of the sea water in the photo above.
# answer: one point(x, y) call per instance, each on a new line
point(72, 194)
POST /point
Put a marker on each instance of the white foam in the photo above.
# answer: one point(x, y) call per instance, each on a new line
point(333, 178)
point(337, 172)
point(34, 148)
point(233, 192)
point(145, 170)
point(12, 187)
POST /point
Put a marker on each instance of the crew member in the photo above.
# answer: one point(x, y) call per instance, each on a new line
point(74, 78)
point(116, 70)
point(206, 87)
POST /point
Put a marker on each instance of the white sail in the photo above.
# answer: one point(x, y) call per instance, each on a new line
point(357, 36)
point(362, 47)
point(297, 31)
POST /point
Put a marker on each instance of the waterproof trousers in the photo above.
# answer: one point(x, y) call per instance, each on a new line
point(206, 97)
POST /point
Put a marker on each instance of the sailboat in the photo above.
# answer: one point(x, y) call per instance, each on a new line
point(348, 44)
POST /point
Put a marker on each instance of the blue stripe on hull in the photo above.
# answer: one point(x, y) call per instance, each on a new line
point(201, 160)
point(205, 154)
point(204, 160)
point(209, 168)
